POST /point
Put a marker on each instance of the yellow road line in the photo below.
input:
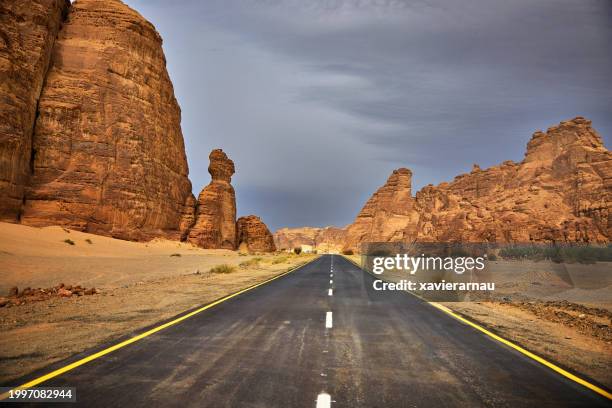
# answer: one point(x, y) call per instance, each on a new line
point(508, 343)
point(141, 336)
point(527, 353)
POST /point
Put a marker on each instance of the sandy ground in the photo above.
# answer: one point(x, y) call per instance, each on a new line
point(39, 257)
point(140, 283)
point(560, 312)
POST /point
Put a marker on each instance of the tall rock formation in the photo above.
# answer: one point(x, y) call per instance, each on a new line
point(387, 214)
point(215, 217)
point(327, 239)
point(560, 192)
point(253, 235)
point(108, 153)
point(28, 30)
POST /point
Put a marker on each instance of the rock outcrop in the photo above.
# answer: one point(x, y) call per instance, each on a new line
point(90, 135)
point(108, 153)
point(27, 34)
point(252, 235)
point(215, 214)
point(387, 214)
point(560, 192)
point(328, 239)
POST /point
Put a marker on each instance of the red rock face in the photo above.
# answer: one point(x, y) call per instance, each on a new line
point(560, 192)
point(387, 214)
point(253, 235)
point(328, 239)
point(215, 216)
point(109, 156)
point(28, 29)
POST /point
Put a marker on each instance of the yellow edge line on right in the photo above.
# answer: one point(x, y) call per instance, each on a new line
point(518, 348)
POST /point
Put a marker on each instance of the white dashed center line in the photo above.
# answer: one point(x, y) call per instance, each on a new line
point(324, 400)
point(328, 320)
point(331, 282)
point(330, 292)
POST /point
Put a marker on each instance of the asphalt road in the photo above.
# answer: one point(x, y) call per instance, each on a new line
point(274, 347)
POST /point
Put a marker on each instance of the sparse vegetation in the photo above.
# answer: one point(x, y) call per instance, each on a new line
point(457, 252)
point(176, 254)
point(69, 241)
point(347, 252)
point(251, 263)
point(297, 250)
point(224, 268)
point(491, 257)
point(89, 241)
point(280, 259)
point(561, 254)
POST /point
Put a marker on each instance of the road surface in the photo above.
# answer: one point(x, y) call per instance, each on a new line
point(317, 335)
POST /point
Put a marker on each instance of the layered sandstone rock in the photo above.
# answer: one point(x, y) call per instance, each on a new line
point(560, 192)
point(215, 214)
point(252, 235)
point(109, 156)
point(28, 30)
point(328, 239)
point(387, 214)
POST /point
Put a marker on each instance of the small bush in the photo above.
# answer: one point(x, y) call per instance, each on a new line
point(347, 252)
point(175, 255)
point(69, 241)
point(297, 250)
point(458, 252)
point(222, 269)
point(280, 259)
point(89, 241)
point(492, 257)
point(253, 262)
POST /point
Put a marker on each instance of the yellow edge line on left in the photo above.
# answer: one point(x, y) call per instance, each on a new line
point(141, 336)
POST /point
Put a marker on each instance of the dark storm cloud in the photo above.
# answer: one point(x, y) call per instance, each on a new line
point(317, 101)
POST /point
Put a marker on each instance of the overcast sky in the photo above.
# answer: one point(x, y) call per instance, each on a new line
point(318, 101)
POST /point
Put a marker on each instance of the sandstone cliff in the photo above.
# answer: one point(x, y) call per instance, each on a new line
point(90, 136)
point(387, 214)
point(252, 235)
point(215, 217)
point(560, 192)
point(108, 153)
point(328, 239)
point(27, 34)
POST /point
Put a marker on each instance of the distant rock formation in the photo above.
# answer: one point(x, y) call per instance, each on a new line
point(252, 235)
point(328, 239)
point(107, 153)
point(215, 214)
point(27, 34)
point(560, 192)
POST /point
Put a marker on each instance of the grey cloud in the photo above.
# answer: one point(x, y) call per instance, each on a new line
point(317, 101)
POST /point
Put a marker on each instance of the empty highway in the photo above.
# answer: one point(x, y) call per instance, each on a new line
point(320, 336)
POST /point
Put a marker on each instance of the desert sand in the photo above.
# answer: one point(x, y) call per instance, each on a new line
point(140, 284)
point(39, 257)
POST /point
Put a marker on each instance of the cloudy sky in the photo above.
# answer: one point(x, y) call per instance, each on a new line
point(318, 101)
